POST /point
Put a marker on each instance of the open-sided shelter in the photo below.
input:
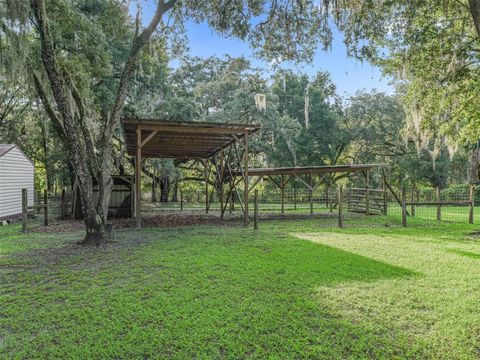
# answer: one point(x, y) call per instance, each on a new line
point(154, 138)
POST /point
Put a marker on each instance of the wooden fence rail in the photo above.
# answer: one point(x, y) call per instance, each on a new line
point(38, 206)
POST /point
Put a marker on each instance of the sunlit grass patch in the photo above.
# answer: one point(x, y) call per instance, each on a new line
point(437, 308)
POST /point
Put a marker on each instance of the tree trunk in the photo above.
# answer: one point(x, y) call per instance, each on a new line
point(475, 11)
point(474, 166)
point(175, 192)
point(154, 192)
point(90, 158)
point(164, 189)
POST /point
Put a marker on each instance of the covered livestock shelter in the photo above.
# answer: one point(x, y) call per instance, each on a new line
point(16, 173)
point(201, 141)
point(121, 198)
point(363, 199)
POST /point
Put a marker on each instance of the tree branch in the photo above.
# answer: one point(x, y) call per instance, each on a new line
point(57, 123)
point(138, 42)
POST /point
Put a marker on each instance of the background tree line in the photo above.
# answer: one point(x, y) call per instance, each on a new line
point(368, 127)
point(70, 69)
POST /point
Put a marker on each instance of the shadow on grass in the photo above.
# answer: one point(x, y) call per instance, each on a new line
point(216, 293)
point(464, 253)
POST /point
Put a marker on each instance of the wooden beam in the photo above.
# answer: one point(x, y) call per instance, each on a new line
point(190, 129)
point(138, 177)
point(274, 181)
point(148, 138)
point(304, 182)
point(259, 178)
point(205, 163)
point(245, 179)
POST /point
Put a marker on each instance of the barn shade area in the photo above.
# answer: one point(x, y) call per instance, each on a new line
point(156, 138)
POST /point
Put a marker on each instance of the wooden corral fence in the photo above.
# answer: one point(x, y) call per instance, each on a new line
point(33, 209)
point(367, 201)
point(51, 205)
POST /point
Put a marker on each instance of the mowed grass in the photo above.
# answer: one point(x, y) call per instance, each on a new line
point(293, 289)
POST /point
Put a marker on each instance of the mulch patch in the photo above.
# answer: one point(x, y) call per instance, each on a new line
point(188, 219)
point(161, 220)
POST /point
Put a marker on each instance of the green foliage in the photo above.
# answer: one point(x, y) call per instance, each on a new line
point(432, 49)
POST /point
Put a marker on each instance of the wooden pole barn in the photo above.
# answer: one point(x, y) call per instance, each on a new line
point(305, 174)
point(223, 146)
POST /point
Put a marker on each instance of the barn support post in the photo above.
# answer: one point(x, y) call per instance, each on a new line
point(310, 195)
point(439, 206)
point(206, 185)
point(282, 194)
point(471, 205)
point(138, 178)
point(24, 210)
point(245, 178)
point(404, 207)
point(132, 201)
point(45, 207)
point(340, 206)
point(221, 189)
point(255, 210)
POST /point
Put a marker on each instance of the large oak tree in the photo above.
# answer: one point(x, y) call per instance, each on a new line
point(81, 57)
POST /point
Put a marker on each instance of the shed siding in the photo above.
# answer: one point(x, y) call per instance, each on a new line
point(16, 173)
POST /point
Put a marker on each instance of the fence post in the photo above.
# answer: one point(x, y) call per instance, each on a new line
point(326, 197)
point(404, 207)
point(439, 207)
point(384, 185)
point(412, 212)
point(282, 195)
point(340, 206)
point(181, 200)
point(45, 207)
point(255, 210)
point(24, 210)
point(471, 204)
point(294, 199)
point(39, 200)
point(63, 204)
point(367, 192)
point(310, 199)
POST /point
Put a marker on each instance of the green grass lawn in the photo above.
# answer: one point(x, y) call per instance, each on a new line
point(293, 289)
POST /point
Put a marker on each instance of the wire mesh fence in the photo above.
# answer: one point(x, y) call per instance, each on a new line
point(429, 205)
point(359, 206)
point(423, 205)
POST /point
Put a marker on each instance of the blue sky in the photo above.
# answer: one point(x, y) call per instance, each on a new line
point(349, 75)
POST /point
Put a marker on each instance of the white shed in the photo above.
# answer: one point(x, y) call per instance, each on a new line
point(16, 173)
